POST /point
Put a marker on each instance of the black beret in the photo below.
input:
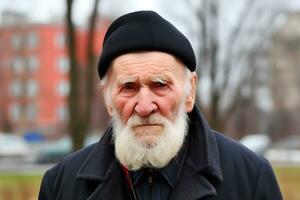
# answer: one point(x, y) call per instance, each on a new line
point(144, 31)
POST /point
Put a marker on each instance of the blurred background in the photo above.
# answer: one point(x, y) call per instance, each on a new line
point(248, 55)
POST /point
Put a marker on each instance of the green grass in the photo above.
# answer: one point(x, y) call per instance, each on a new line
point(18, 186)
point(289, 181)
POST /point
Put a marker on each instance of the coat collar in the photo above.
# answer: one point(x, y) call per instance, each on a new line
point(101, 165)
point(99, 160)
point(202, 172)
point(204, 152)
point(200, 175)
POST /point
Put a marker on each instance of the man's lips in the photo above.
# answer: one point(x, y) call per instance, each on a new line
point(146, 125)
point(148, 129)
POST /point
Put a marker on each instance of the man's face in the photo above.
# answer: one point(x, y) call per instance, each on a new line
point(145, 83)
point(148, 104)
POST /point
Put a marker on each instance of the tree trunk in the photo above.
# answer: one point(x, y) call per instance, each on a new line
point(81, 96)
point(75, 127)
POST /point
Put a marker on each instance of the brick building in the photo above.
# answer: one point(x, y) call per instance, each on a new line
point(34, 68)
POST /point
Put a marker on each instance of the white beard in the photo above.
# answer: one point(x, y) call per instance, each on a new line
point(134, 154)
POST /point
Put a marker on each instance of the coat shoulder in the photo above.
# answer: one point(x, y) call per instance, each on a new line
point(244, 169)
point(70, 165)
point(75, 159)
point(234, 151)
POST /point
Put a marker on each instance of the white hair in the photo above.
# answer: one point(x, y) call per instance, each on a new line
point(187, 87)
point(106, 89)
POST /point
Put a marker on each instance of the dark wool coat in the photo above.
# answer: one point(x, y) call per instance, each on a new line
point(216, 168)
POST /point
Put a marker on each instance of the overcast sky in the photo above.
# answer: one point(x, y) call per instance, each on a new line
point(34, 7)
point(44, 10)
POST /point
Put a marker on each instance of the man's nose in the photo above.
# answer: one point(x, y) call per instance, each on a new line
point(145, 104)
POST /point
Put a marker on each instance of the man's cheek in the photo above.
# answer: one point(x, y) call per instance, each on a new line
point(126, 110)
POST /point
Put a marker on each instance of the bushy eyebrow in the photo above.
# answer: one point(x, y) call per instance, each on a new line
point(126, 79)
point(133, 79)
point(159, 78)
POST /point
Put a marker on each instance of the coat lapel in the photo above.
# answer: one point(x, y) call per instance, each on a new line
point(192, 186)
point(102, 166)
point(112, 187)
point(201, 173)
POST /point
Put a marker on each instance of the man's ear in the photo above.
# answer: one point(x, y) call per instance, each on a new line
point(109, 109)
point(191, 97)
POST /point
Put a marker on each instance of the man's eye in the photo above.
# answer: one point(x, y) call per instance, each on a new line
point(159, 85)
point(129, 86)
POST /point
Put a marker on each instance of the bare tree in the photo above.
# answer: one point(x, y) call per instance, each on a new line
point(226, 62)
point(80, 99)
point(286, 77)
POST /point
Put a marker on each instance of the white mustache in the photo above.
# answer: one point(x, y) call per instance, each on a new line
point(136, 120)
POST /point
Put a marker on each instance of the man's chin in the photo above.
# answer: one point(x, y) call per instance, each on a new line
point(148, 142)
point(147, 135)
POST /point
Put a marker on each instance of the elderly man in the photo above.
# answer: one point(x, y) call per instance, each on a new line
point(158, 146)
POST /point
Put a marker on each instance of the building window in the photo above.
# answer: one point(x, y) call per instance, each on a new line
point(32, 88)
point(62, 113)
point(63, 64)
point(18, 65)
point(63, 88)
point(32, 40)
point(15, 88)
point(60, 40)
point(15, 111)
point(31, 111)
point(6, 63)
point(33, 63)
point(16, 41)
